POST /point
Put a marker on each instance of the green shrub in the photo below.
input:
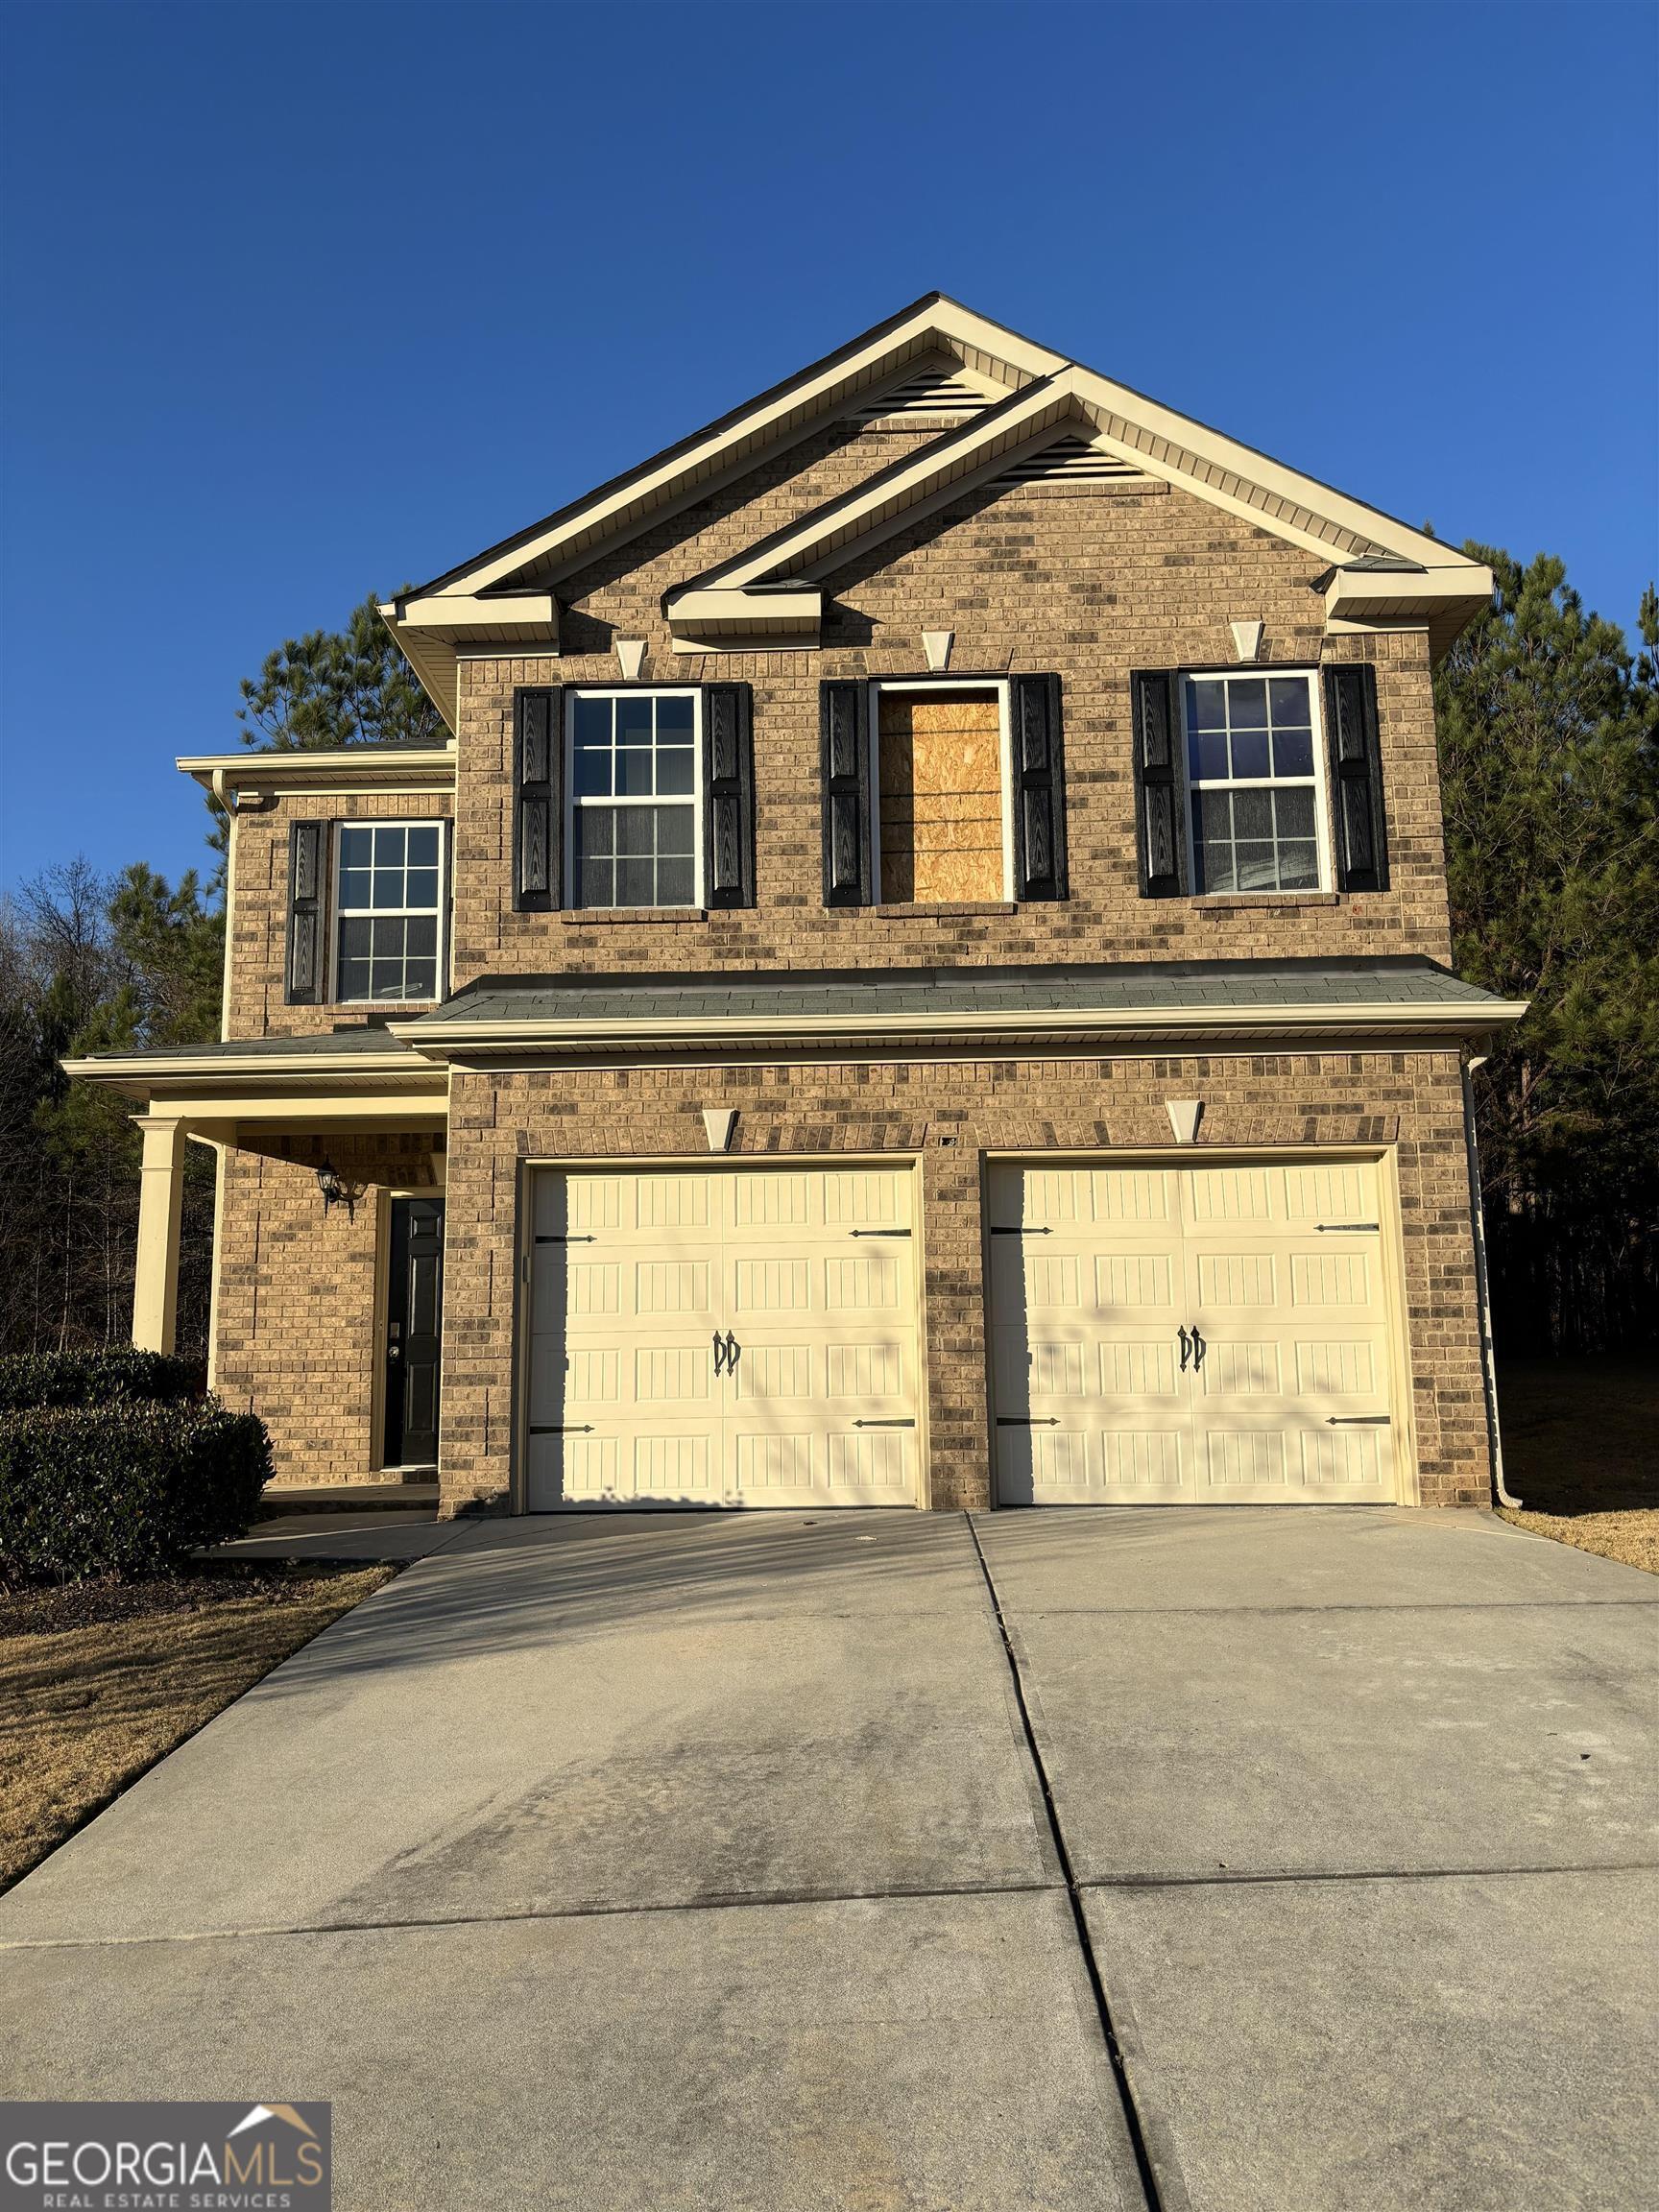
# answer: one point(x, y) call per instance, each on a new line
point(96, 1377)
point(125, 1489)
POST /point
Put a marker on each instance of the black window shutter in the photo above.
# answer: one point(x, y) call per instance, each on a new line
point(844, 717)
point(1039, 788)
point(727, 796)
point(307, 846)
point(1160, 788)
point(446, 940)
point(1356, 777)
point(538, 839)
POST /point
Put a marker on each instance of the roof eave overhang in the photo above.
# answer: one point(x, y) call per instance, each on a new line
point(432, 629)
point(479, 1042)
point(419, 768)
point(275, 1080)
point(776, 417)
point(771, 617)
point(1443, 601)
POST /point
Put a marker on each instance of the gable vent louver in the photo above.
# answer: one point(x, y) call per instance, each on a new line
point(933, 391)
point(1071, 461)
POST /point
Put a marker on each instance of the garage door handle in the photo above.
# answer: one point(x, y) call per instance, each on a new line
point(719, 1354)
point(1186, 1349)
point(1356, 1419)
point(884, 1424)
point(733, 1353)
point(1199, 1348)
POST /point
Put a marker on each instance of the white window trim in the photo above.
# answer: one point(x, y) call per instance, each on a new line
point(336, 912)
point(573, 901)
point(954, 686)
point(1321, 803)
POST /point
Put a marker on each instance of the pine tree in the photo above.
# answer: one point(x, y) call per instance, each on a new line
point(1549, 761)
point(350, 686)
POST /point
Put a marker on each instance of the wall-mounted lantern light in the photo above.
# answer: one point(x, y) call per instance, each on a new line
point(336, 1190)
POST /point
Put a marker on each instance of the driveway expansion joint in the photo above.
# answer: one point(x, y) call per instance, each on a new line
point(1246, 1878)
point(1395, 1605)
point(1158, 2169)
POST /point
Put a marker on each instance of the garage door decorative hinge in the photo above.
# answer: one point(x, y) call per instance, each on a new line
point(1345, 1228)
point(1356, 1419)
point(907, 1424)
point(1028, 1421)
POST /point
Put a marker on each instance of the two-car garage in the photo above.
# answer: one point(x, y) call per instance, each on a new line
point(1158, 1332)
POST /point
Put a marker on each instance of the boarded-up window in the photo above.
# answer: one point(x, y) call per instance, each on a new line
point(940, 796)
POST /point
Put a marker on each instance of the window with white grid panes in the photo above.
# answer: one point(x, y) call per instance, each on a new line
point(635, 799)
point(388, 905)
point(1253, 782)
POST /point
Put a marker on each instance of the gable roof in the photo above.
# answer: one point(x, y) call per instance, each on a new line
point(1000, 398)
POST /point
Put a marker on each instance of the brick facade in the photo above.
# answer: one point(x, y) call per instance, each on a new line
point(946, 1113)
point(1091, 580)
point(256, 941)
point(1089, 584)
point(297, 1314)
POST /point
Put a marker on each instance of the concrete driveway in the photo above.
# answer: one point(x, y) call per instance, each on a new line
point(1272, 1858)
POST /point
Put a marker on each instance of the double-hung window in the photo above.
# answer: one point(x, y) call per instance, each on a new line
point(1257, 818)
point(389, 911)
point(635, 815)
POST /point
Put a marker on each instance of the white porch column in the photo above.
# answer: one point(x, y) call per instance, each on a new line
point(161, 1192)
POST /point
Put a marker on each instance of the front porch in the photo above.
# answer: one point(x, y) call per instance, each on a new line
point(328, 1149)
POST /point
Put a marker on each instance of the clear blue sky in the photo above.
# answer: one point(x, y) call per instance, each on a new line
point(305, 301)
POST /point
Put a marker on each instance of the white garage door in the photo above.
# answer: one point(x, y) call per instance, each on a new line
point(1192, 1335)
point(723, 1338)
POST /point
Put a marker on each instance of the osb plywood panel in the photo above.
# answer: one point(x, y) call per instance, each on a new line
point(941, 797)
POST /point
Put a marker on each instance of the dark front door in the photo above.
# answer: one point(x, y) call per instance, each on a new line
point(414, 1331)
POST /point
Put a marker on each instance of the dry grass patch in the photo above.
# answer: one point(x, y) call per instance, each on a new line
point(98, 1680)
point(1581, 1452)
point(1630, 1537)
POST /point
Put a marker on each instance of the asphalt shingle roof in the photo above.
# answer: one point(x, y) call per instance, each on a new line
point(1262, 986)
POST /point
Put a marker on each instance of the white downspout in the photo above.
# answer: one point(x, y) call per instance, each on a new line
point(1482, 1290)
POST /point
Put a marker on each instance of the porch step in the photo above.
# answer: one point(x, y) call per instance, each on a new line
point(284, 1501)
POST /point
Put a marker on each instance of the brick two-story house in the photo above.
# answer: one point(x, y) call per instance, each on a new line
point(920, 977)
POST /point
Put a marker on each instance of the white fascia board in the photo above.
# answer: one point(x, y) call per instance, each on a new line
point(306, 1110)
point(734, 613)
point(305, 1079)
point(457, 1039)
point(957, 454)
point(467, 614)
point(941, 324)
point(421, 768)
point(1140, 427)
point(1383, 594)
